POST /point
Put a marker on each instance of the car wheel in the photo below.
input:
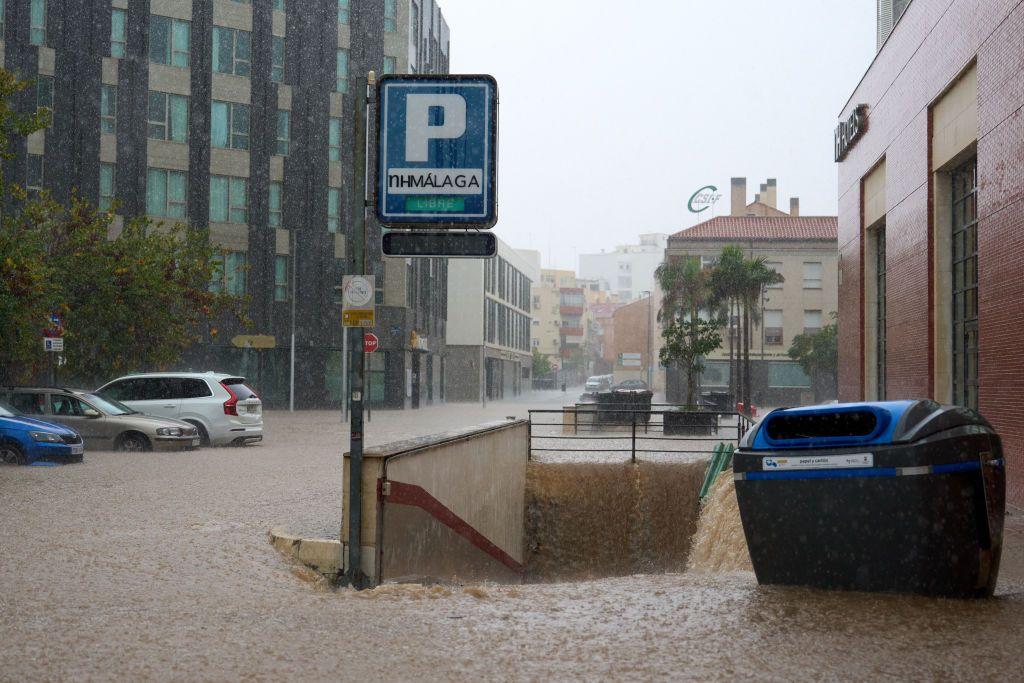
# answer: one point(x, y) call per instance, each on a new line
point(10, 454)
point(204, 436)
point(133, 442)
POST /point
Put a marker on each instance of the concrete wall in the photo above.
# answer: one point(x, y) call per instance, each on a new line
point(449, 506)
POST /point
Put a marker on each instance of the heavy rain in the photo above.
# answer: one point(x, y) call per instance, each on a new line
point(454, 339)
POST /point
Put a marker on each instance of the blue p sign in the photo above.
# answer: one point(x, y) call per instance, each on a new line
point(437, 151)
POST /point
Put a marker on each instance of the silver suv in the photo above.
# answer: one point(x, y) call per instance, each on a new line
point(222, 407)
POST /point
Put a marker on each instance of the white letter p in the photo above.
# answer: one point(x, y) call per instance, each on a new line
point(418, 129)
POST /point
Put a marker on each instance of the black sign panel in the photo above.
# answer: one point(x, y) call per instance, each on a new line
point(849, 131)
point(440, 244)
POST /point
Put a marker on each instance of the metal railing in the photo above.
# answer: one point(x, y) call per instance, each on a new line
point(661, 430)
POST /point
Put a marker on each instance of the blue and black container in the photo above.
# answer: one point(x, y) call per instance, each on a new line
point(905, 496)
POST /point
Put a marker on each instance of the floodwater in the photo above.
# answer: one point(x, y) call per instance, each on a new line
point(157, 567)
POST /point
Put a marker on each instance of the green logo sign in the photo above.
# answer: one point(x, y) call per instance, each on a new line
point(704, 198)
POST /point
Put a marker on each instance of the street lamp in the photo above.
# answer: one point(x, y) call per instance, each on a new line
point(650, 339)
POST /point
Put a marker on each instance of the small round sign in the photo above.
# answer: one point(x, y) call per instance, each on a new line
point(370, 342)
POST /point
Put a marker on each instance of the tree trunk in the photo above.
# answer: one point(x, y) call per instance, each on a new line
point(732, 344)
point(690, 372)
point(746, 358)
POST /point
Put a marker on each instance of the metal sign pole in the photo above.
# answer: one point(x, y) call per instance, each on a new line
point(355, 576)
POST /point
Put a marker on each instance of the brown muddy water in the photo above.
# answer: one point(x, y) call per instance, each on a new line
point(156, 567)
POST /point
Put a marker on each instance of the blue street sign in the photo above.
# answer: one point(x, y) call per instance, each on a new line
point(437, 151)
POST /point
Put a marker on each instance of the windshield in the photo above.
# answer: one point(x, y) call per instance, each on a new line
point(108, 405)
point(7, 410)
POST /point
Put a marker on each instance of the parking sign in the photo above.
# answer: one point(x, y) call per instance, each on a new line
point(437, 151)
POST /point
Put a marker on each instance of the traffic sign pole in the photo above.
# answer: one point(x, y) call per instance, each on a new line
point(354, 576)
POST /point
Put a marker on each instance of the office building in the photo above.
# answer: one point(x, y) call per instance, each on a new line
point(628, 270)
point(237, 117)
point(488, 344)
point(931, 195)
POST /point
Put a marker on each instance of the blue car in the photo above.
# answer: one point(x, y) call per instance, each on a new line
point(24, 440)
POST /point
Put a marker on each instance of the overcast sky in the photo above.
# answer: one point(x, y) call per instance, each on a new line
point(612, 114)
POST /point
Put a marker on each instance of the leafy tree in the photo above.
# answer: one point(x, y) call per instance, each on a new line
point(541, 364)
point(687, 294)
point(131, 303)
point(818, 354)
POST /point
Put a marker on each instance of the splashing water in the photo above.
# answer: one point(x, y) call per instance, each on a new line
point(592, 520)
point(719, 544)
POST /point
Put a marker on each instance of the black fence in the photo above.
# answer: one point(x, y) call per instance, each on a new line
point(661, 430)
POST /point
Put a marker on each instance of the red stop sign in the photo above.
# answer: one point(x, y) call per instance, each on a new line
point(370, 342)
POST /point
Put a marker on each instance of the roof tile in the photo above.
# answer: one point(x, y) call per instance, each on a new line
point(763, 228)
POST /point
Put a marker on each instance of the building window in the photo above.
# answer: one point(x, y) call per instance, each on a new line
point(880, 311)
point(773, 328)
point(228, 199)
point(232, 51)
point(390, 16)
point(343, 11)
point(777, 267)
point(334, 140)
point(965, 284)
point(716, 373)
point(229, 273)
point(44, 92)
point(277, 59)
point(342, 74)
point(169, 41)
point(168, 117)
point(108, 109)
point(783, 375)
point(279, 5)
point(333, 209)
point(34, 174)
point(276, 205)
point(812, 321)
point(390, 65)
point(284, 135)
point(107, 186)
point(280, 278)
point(118, 19)
point(229, 125)
point(37, 22)
point(812, 275)
point(166, 193)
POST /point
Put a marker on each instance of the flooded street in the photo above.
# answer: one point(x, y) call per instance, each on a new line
point(157, 566)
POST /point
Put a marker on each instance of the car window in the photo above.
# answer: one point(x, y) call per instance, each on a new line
point(123, 390)
point(237, 386)
point(29, 403)
point(67, 406)
point(194, 388)
point(159, 389)
point(7, 410)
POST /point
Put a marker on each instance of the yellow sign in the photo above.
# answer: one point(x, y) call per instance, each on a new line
point(254, 341)
point(358, 318)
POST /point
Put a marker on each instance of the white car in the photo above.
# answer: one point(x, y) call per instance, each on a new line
point(222, 407)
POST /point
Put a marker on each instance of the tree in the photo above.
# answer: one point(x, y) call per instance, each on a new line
point(818, 355)
point(132, 303)
point(541, 365)
point(688, 337)
point(757, 276)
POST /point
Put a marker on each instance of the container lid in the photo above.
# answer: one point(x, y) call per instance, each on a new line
point(829, 426)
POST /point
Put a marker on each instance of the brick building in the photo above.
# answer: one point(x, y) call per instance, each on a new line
point(931, 191)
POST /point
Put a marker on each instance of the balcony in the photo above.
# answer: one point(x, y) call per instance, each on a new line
point(571, 332)
point(570, 311)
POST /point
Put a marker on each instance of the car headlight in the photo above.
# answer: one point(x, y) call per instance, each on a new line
point(47, 437)
point(168, 431)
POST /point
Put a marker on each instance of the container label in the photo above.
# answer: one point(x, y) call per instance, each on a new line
point(818, 462)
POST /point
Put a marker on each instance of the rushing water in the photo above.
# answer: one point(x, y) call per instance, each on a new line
point(719, 544)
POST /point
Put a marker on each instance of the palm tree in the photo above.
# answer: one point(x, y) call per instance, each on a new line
point(687, 291)
point(728, 285)
point(756, 276)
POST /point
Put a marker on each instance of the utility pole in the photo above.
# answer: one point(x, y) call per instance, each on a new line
point(364, 99)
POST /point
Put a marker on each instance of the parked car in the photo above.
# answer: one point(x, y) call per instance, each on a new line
point(222, 407)
point(103, 423)
point(598, 383)
point(631, 385)
point(24, 440)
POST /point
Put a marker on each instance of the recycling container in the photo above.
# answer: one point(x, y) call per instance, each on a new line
point(904, 496)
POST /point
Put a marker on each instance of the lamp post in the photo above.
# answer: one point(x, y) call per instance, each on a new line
point(650, 338)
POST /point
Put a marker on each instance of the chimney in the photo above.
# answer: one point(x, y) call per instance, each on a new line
point(738, 205)
point(771, 198)
point(762, 196)
point(794, 206)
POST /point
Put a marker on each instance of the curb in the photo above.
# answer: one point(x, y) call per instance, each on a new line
point(322, 555)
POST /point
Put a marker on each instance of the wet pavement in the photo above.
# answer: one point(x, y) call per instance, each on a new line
point(157, 566)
